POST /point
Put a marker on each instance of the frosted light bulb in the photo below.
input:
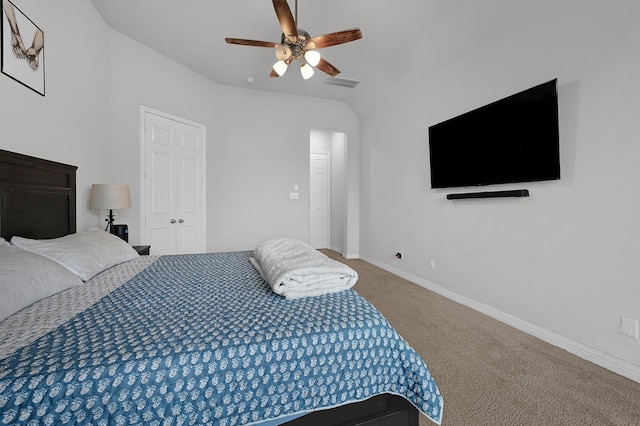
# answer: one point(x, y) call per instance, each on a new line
point(307, 71)
point(312, 57)
point(280, 67)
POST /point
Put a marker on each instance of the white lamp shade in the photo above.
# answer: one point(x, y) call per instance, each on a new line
point(307, 71)
point(280, 67)
point(312, 57)
point(109, 197)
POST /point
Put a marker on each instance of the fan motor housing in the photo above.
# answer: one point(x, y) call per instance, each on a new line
point(303, 36)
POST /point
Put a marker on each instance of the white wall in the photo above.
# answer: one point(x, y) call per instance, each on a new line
point(257, 146)
point(565, 259)
point(70, 124)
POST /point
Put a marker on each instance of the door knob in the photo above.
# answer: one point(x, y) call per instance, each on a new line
point(180, 220)
point(173, 221)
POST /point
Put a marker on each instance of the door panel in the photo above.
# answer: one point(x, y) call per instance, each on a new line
point(319, 200)
point(160, 173)
point(189, 139)
point(191, 186)
point(162, 240)
point(160, 133)
point(159, 190)
point(188, 239)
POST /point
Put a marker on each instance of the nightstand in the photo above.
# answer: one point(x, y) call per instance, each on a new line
point(142, 250)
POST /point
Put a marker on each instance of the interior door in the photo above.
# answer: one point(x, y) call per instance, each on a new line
point(174, 160)
point(319, 179)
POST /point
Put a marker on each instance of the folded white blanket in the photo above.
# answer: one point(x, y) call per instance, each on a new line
point(294, 269)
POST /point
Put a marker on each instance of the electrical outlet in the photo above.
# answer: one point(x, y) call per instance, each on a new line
point(432, 265)
point(629, 327)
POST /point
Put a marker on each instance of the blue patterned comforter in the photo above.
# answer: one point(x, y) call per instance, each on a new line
point(202, 339)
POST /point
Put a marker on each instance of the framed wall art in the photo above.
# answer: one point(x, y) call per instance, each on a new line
point(22, 48)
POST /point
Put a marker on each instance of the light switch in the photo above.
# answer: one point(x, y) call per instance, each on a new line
point(295, 187)
point(294, 195)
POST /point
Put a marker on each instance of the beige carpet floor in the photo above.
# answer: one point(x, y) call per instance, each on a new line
point(490, 373)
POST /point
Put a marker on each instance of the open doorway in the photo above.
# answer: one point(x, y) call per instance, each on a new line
point(327, 189)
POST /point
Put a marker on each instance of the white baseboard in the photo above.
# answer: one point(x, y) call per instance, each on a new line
point(610, 362)
point(345, 255)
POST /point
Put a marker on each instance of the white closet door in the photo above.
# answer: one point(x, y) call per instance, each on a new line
point(173, 185)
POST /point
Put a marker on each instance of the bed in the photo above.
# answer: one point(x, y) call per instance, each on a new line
point(189, 339)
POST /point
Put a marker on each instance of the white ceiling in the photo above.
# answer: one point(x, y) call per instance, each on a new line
point(192, 33)
point(394, 32)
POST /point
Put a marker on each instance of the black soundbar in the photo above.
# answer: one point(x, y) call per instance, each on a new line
point(490, 194)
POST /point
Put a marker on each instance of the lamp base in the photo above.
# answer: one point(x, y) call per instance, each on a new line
point(109, 221)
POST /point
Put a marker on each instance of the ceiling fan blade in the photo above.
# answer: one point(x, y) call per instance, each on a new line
point(245, 42)
point(288, 24)
point(327, 68)
point(333, 39)
point(274, 74)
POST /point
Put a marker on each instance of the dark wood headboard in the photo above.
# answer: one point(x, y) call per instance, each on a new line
point(37, 197)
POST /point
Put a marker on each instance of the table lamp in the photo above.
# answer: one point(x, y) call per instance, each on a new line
point(109, 197)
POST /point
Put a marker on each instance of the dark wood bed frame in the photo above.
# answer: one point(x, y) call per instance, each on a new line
point(37, 197)
point(381, 410)
point(38, 200)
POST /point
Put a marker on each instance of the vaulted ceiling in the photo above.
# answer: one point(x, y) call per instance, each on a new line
point(192, 33)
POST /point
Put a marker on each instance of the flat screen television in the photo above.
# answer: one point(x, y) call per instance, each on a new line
point(515, 139)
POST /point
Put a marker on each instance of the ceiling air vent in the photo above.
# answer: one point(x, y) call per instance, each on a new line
point(341, 82)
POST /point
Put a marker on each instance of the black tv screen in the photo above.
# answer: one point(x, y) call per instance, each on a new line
point(511, 140)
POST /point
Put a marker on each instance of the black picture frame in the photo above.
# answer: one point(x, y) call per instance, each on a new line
point(22, 57)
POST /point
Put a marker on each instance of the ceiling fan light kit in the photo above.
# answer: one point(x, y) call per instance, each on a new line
point(283, 51)
point(306, 70)
point(280, 67)
point(297, 44)
point(312, 57)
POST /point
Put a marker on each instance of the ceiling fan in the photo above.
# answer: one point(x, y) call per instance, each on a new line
point(297, 45)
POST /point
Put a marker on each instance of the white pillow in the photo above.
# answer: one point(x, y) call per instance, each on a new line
point(3, 241)
point(84, 253)
point(26, 277)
